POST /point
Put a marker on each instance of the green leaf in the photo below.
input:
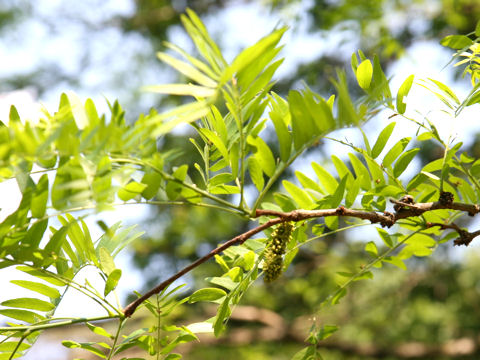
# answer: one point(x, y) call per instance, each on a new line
point(371, 249)
point(153, 180)
point(403, 161)
point(299, 195)
point(255, 172)
point(327, 180)
point(303, 127)
point(361, 172)
point(307, 182)
point(402, 92)
point(207, 294)
point(446, 90)
point(251, 54)
point(414, 250)
point(10, 346)
point(40, 198)
point(225, 282)
point(215, 139)
point(44, 275)
point(22, 315)
point(263, 154)
point(342, 169)
point(182, 89)
point(38, 287)
point(319, 110)
point(396, 261)
point(395, 151)
point(106, 261)
point(70, 344)
point(56, 241)
point(29, 303)
point(308, 353)
point(347, 114)
point(187, 70)
point(220, 179)
point(112, 281)
point(387, 239)
point(421, 240)
point(338, 296)
point(364, 74)
point(326, 331)
point(223, 313)
point(99, 330)
point(352, 192)
point(456, 42)
point(280, 117)
point(174, 188)
point(131, 190)
point(218, 123)
point(380, 83)
point(224, 189)
point(382, 139)
point(13, 115)
point(172, 356)
point(201, 327)
point(337, 196)
point(182, 114)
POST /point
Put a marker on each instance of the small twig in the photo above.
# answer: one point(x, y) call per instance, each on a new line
point(465, 238)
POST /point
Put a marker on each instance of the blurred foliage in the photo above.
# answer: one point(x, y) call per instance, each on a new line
point(384, 27)
point(434, 301)
point(429, 305)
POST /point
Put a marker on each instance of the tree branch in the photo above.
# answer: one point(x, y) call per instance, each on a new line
point(403, 209)
point(386, 219)
point(240, 239)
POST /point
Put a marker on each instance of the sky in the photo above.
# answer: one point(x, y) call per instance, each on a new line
point(425, 59)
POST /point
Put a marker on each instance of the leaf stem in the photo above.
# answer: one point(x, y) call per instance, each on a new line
point(193, 187)
point(121, 322)
point(52, 325)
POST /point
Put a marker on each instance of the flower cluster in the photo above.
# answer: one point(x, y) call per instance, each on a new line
point(273, 263)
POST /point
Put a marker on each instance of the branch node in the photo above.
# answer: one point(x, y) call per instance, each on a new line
point(340, 210)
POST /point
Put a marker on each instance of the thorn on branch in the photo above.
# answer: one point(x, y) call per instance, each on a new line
point(446, 198)
point(403, 203)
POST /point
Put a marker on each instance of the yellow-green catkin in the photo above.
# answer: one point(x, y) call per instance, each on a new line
point(273, 261)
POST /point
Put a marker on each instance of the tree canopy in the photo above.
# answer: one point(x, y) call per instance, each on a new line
point(287, 226)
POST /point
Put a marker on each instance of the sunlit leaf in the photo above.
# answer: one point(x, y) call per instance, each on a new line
point(364, 74)
point(38, 287)
point(207, 294)
point(402, 92)
point(29, 303)
point(456, 42)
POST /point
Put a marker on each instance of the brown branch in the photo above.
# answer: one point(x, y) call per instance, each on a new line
point(238, 240)
point(385, 219)
point(465, 238)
